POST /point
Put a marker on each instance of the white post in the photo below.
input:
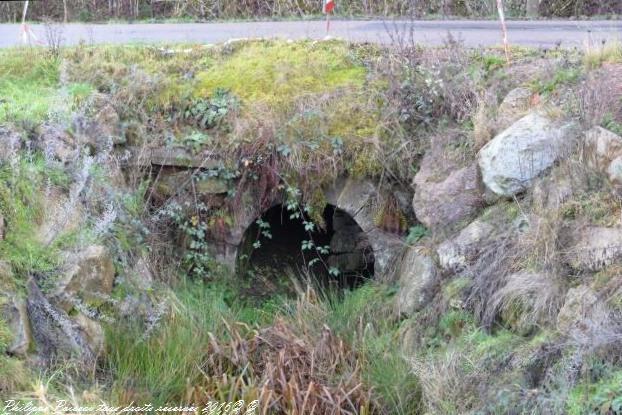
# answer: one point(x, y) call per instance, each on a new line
point(504, 29)
point(23, 28)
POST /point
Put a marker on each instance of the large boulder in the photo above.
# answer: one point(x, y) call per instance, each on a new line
point(513, 159)
point(456, 253)
point(418, 277)
point(89, 276)
point(592, 248)
point(600, 148)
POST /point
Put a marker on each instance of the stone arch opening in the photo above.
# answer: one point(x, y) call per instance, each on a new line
point(278, 244)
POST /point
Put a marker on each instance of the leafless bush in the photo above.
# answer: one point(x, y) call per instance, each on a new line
point(431, 84)
point(54, 37)
point(599, 97)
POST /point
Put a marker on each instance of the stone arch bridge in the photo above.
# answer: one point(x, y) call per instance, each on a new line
point(356, 199)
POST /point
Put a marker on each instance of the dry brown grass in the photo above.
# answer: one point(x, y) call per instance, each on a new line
point(530, 300)
point(289, 367)
point(448, 384)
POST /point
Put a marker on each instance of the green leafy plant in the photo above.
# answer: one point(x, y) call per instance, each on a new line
point(208, 113)
point(416, 233)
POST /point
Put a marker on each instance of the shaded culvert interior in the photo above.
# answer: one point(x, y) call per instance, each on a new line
point(276, 248)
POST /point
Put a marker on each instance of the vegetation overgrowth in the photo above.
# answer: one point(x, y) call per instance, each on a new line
point(299, 113)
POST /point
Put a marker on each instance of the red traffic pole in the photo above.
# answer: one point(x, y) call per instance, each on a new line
point(327, 22)
point(329, 5)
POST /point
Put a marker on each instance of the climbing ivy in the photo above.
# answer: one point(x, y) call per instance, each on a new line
point(304, 213)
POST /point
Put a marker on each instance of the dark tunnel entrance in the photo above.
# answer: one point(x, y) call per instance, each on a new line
point(278, 246)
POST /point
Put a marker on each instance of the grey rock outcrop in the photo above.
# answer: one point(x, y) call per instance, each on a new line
point(450, 200)
point(456, 253)
point(583, 315)
point(418, 276)
point(55, 334)
point(514, 106)
point(593, 248)
point(54, 142)
point(10, 142)
point(614, 171)
point(15, 314)
point(513, 159)
point(600, 148)
point(89, 276)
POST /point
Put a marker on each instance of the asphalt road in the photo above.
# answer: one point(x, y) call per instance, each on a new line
point(474, 33)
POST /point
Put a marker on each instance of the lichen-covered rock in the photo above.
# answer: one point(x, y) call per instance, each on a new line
point(101, 131)
point(55, 334)
point(551, 191)
point(13, 311)
point(89, 276)
point(418, 276)
point(582, 313)
point(54, 142)
point(593, 248)
point(513, 159)
point(172, 183)
point(455, 254)
point(600, 148)
point(614, 171)
point(10, 143)
point(140, 274)
point(442, 203)
point(514, 106)
point(92, 332)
